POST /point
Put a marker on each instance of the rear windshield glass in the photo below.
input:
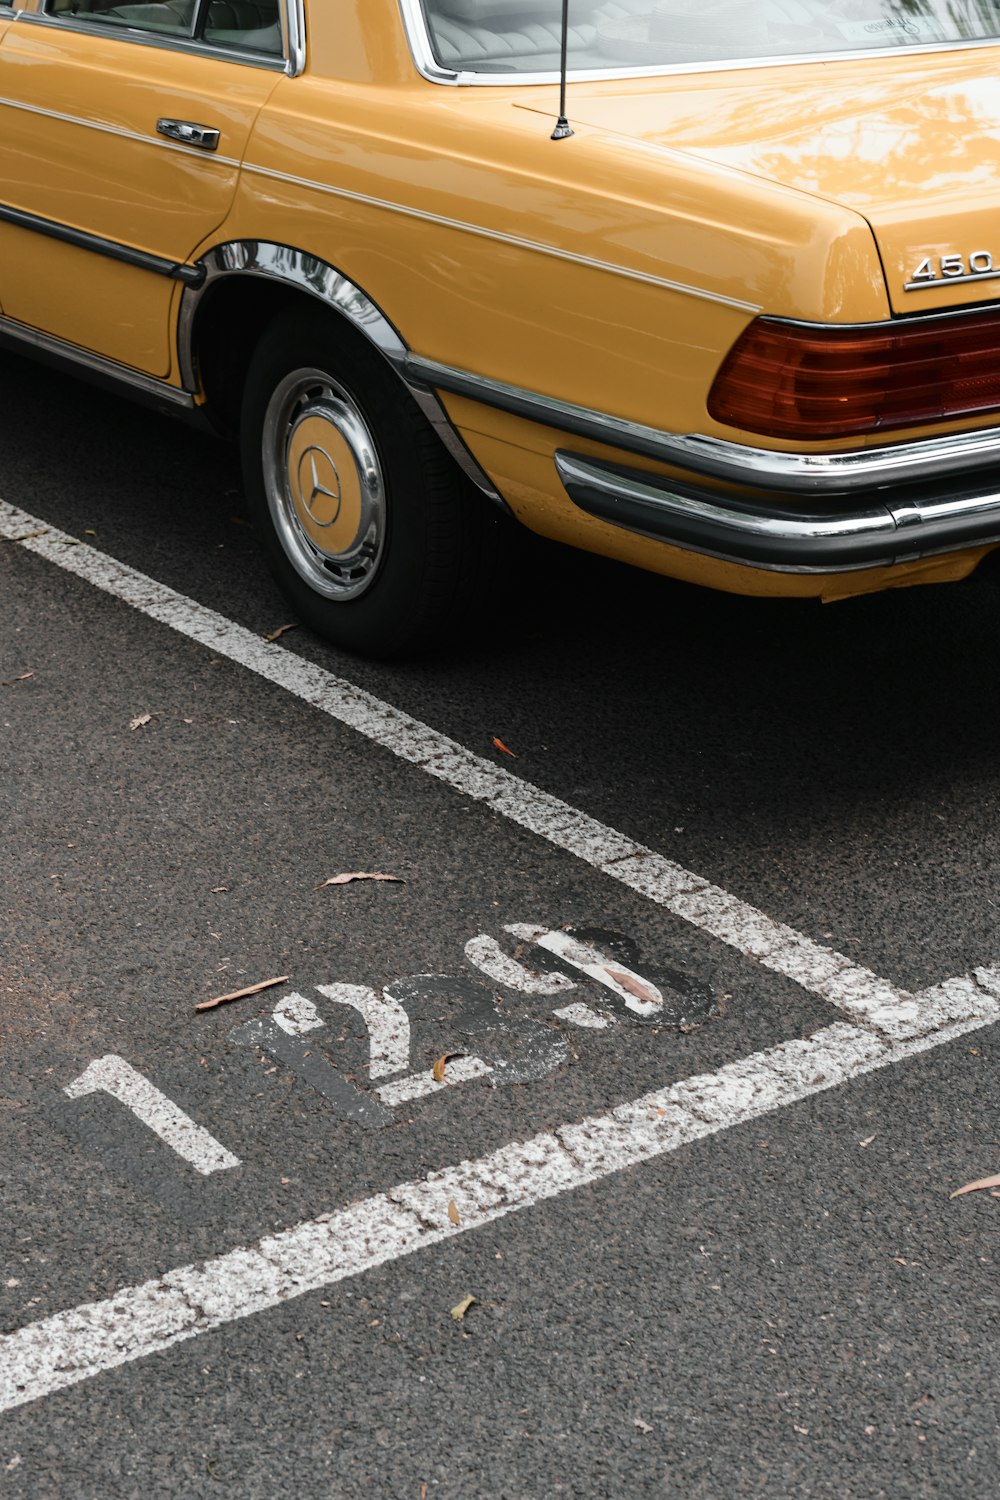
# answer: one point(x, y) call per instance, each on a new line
point(518, 36)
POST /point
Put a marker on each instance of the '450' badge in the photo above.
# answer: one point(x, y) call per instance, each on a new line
point(934, 269)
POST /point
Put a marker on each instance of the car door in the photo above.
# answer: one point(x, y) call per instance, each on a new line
point(6, 16)
point(122, 129)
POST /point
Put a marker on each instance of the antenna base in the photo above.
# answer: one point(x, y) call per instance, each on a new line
point(563, 129)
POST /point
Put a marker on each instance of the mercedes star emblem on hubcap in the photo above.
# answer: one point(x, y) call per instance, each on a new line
point(319, 486)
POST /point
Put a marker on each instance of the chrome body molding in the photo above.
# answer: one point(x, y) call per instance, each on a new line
point(843, 472)
point(772, 533)
point(112, 249)
point(418, 37)
point(294, 268)
point(305, 273)
point(128, 135)
point(538, 247)
point(107, 371)
point(832, 473)
point(294, 20)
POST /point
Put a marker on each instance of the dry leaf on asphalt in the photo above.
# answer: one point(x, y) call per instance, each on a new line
point(973, 1187)
point(357, 875)
point(635, 986)
point(453, 1213)
point(642, 1426)
point(251, 989)
point(282, 630)
point(459, 1311)
point(499, 744)
point(437, 1072)
point(140, 721)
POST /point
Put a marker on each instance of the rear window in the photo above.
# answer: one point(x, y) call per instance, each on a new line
point(512, 36)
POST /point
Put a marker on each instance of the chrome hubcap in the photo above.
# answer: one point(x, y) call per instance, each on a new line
point(324, 484)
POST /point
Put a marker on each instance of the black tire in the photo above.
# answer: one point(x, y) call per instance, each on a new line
point(371, 530)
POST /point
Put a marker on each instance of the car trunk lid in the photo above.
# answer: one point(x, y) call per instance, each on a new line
point(911, 143)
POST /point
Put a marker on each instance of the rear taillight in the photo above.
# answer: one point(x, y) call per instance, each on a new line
point(792, 381)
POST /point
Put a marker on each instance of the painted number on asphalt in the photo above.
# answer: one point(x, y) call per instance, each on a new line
point(413, 1022)
point(113, 1075)
point(430, 1032)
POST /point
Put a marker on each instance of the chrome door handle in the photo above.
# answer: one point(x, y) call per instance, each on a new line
point(189, 134)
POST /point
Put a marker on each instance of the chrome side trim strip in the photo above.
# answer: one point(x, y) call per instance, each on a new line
point(94, 364)
point(974, 314)
point(294, 15)
point(537, 246)
point(112, 249)
point(764, 532)
point(305, 273)
point(128, 135)
point(422, 52)
point(845, 471)
point(837, 472)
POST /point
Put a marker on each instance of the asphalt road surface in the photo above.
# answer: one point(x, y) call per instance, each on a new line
point(666, 1044)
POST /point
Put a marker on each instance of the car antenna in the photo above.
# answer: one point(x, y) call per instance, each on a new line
point(563, 127)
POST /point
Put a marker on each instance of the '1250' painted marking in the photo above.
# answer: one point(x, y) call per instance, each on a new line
point(458, 1017)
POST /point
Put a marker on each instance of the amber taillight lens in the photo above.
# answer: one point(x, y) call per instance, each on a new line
point(789, 381)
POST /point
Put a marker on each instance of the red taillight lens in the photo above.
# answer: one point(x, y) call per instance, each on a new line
point(798, 382)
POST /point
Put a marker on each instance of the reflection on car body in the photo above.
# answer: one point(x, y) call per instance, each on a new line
point(737, 327)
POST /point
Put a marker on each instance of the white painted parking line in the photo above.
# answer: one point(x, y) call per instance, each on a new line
point(892, 1025)
point(86, 1341)
point(831, 976)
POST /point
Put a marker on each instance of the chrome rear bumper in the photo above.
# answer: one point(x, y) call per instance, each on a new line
point(820, 512)
point(782, 532)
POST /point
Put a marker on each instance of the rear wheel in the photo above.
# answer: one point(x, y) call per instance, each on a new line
point(373, 533)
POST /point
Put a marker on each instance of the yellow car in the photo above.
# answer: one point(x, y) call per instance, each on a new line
point(708, 286)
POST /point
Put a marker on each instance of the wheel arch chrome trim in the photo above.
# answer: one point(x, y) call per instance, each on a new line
point(313, 277)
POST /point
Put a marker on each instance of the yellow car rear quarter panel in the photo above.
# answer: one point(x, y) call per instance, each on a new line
point(602, 278)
